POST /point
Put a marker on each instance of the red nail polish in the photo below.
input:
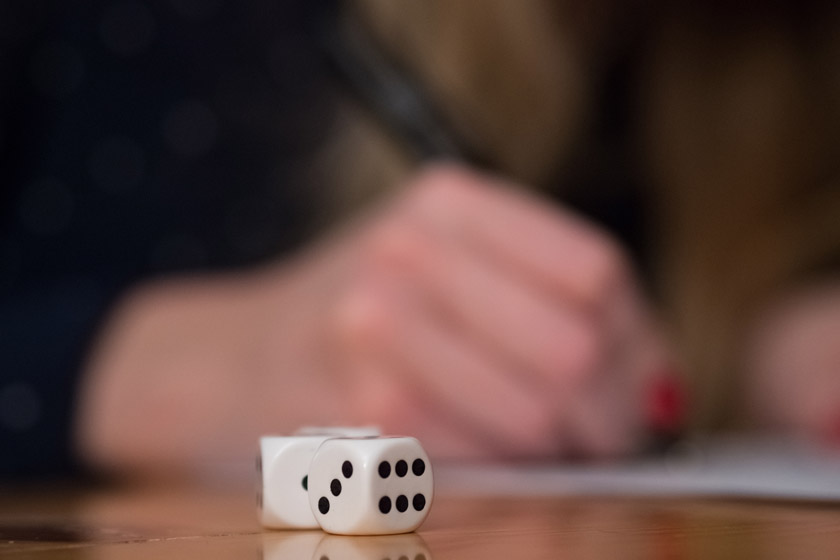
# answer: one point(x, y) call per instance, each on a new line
point(667, 405)
point(830, 434)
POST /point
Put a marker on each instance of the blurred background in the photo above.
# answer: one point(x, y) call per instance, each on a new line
point(141, 139)
point(146, 138)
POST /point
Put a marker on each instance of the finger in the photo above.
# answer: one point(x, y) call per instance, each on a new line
point(548, 245)
point(429, 357)
point(654, 384)
point(624, 406)
point(601, 423)
point(537, 335)
point(380, 398)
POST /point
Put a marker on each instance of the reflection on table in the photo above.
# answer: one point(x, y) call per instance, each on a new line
point(219, 522)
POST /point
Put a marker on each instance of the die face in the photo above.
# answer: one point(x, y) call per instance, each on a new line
point(389, 490)
point(337, 484)
point(284, 481)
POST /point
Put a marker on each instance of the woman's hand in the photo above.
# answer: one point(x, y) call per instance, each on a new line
point(793, 365)
point(462, 311)
point(491, 324)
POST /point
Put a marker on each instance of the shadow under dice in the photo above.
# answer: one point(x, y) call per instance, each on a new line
point(370, 486)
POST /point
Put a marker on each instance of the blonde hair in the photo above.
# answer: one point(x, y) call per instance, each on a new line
point(737, 151)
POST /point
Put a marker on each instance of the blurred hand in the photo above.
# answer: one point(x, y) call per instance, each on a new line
point(462, 311)
point(793, 366)
point(491, 324)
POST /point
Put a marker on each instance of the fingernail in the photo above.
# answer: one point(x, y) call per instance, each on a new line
point(830, 434)
point(667, 404)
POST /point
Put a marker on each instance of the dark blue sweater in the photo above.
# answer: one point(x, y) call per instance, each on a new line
point(138, 139)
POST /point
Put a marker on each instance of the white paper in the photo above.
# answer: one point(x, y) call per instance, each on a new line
point(742, 467)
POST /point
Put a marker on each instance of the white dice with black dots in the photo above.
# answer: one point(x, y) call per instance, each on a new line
point(370, 486)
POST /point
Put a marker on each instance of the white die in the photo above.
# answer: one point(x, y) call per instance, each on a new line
point(282, 479)
point(370, 486)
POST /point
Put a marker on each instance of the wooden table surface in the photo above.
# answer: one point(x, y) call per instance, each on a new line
point(219, 522)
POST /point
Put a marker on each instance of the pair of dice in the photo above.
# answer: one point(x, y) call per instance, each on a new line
point(368, 485)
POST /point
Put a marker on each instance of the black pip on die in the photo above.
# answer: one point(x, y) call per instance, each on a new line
point(374, 486)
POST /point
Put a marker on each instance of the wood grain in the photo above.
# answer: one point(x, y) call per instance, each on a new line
point(220, 523)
